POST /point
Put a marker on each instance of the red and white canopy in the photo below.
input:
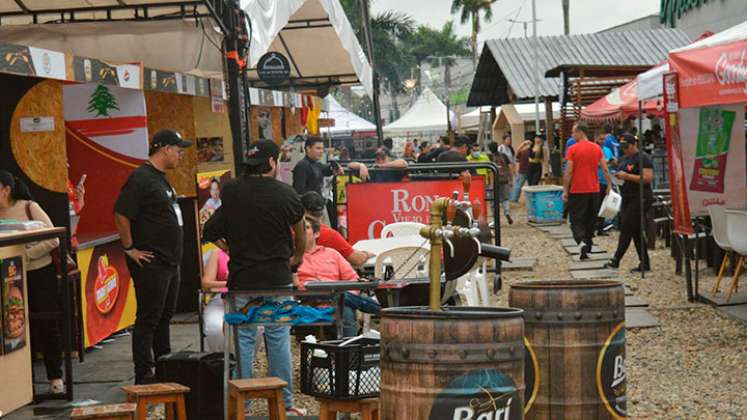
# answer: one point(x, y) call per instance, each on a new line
point(713, 71)
point(620, 104)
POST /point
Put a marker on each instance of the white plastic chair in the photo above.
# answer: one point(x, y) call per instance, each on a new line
point(467, 290)
point(402, 229)
point(736, 226)
point(720, 235)
point(407, 261)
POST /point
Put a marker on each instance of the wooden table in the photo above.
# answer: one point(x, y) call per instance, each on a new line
point(377, 246)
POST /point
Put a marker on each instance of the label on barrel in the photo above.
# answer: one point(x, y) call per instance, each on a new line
point(531, 376)
point(611, 373)
point(483, 394)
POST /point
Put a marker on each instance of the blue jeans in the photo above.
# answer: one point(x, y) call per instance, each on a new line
point(349, 320)
point(518, 183)
point(278, 353)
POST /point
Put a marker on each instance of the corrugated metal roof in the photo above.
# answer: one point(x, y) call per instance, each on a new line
point(507, 64)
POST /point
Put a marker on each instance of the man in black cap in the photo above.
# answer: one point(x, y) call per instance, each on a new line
point(630, 171)
point(149, 222)
point(261, 223)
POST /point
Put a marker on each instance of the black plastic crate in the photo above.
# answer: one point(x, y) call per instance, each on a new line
point(344, 373)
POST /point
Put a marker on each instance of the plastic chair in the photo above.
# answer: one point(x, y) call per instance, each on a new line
point(720, 235)
point(407, 262)
point(402, 229)
point(736, 225)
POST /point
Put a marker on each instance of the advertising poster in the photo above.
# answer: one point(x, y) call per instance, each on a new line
point(713, 150)
point(677, 179)
point(14, 305)
point(373, 206)
point(107, 138)
point(210, 149)
point(108, 295)
point(208, 198)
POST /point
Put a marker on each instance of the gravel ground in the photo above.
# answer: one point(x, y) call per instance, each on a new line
point(692, 366)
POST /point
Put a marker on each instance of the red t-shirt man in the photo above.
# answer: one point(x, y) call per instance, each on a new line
point(585, 156)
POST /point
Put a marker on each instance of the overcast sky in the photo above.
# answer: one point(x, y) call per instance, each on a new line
point(586, 15)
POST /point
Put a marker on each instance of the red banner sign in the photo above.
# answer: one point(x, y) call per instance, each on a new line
point(373, 206)
point(677, 180)
point(712, 76)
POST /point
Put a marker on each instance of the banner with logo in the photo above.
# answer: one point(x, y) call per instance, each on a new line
point(713, 150)
point(712, 76)
point(108, 297)
point(372, 206)
point(107, 138)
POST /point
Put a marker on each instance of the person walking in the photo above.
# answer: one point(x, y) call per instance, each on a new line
point(522, 172)
point(506, 148)
point(503, 181)
point(632, 174)
point(536, 161)
point(610, 141)
point(608, 157)
point(581, 187)
point(149, 222)
point(260, 224)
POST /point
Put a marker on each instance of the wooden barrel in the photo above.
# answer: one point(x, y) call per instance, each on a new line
point(461, 363)
point(575, 338)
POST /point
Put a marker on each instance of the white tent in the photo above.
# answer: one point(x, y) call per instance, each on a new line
point(650, 83)
point(346, 122)
point(315, 36)
point(470, 121)
point(427, 116)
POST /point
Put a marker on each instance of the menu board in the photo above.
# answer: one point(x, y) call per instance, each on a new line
point(13, 305)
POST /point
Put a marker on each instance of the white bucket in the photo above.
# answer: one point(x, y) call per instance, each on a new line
point(610, 205)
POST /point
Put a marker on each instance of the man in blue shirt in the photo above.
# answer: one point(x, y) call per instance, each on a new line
point(610, 141)
point(608, 157)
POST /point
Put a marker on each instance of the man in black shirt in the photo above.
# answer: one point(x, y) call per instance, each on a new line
point(457, 152)
point(391, 174)
point(630, 213)
point(149, 222)
point(255, 221)
point(309, 173)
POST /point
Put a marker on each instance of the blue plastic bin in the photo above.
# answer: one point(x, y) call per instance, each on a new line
point(544, 203)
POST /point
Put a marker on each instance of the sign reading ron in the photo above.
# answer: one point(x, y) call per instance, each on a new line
point(273, 68)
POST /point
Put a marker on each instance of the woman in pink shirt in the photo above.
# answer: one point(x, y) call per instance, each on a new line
point(325, 264)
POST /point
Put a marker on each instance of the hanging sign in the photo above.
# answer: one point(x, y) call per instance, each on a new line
point(273, 68)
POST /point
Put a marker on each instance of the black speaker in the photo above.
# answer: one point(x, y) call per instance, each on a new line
point(203, 374)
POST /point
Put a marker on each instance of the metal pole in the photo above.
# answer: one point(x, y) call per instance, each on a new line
point(566, 18)
point(536, 70)
point(644, 242)
point(238, 109)
point(369, 46)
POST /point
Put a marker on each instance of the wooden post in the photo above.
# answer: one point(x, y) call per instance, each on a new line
point(549, 123)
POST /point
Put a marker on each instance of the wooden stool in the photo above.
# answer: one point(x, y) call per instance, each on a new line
point(106, 412)
point(168, 394)
point(369, 408)
point(270, 389)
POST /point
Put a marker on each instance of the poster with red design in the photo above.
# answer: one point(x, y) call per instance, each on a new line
point(372, 206)
point(107, 137)
point(677, 180)
point(108, 296)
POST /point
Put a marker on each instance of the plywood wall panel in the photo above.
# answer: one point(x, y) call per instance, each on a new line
point(213, 124)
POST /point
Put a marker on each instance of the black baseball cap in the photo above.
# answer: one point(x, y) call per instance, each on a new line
point(167, 137)
point(261, 151)
point(627, 139)
point(313, 202)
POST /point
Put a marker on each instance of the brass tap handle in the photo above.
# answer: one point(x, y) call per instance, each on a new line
point(476, 209)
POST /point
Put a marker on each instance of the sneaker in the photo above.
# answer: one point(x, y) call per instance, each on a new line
point(585, 249)
point(602, 233)
point(510, 220)
point(295, 412)
point(56, 386)
point(639, 270)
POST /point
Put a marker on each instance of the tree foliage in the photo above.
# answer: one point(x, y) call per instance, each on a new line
point(469, 10)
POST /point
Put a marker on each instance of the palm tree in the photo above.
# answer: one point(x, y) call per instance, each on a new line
point(470, 10)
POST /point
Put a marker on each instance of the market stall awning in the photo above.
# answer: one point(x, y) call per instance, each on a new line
point(525, 112)
point(427, 115)
point(712, 71)
point(315, 36)
point(620, 104)
point(650, 82)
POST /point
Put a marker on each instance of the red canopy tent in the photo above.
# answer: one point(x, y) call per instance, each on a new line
point(620, 104)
